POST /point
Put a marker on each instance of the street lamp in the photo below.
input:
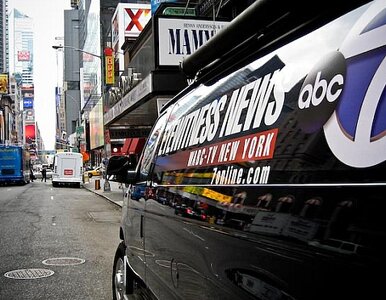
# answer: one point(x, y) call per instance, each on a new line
point(76, 49)
point(56, 47)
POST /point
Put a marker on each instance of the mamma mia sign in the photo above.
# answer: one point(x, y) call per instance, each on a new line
point(178, 38)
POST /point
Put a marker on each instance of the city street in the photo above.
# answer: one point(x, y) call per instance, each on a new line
point(56, 243)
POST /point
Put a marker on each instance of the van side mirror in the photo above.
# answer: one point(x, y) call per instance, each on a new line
point(131, 176)
point(119, 166)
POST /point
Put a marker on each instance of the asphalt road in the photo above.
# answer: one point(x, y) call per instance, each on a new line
point(61, 241)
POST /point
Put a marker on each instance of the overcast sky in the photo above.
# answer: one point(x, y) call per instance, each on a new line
point(48, 21)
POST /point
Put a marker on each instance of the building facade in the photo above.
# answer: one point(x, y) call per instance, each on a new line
point(117, 116)
point(3, 36)
point(21, 123)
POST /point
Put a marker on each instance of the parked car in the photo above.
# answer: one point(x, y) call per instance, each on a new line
point(94, 172)
point(189, 212)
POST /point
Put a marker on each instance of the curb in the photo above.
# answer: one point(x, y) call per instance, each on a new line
point(103, 196)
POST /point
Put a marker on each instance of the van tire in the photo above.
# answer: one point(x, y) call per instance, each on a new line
point(118, 276)
point(128, 286)
point(89, 175)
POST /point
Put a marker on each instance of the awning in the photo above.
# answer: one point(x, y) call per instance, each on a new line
point(136, 146)
point(126, 145)
point(133, 146)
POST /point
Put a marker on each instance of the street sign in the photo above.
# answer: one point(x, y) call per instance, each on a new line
point(179, 11)
point(79, 130)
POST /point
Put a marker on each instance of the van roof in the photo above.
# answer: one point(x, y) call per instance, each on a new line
point(273, 25)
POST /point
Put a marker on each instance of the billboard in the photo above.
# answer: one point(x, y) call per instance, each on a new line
point(128, 21)
point(3, 83)
point(30, 115)
point(96, 125)
point(28, 102)
point(27, 90)
point(30, 133)
point(178, 37)
point(23, 55)
point(109, 66)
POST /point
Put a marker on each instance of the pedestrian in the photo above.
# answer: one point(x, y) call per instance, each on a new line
point(31, 175)
point(44, 174)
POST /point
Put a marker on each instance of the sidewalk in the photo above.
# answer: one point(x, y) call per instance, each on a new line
point(115, 195)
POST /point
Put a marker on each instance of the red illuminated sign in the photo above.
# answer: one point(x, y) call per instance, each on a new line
point(29, 132)
point(23, 55)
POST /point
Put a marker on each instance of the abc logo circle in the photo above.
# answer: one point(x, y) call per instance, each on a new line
point(321, 91)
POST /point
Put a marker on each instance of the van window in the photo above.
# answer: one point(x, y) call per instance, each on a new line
point(152, 143)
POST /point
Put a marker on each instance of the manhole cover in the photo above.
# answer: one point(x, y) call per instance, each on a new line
point(63, 261)
point(29, 273)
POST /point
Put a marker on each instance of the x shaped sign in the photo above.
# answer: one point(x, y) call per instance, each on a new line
point(135, 18)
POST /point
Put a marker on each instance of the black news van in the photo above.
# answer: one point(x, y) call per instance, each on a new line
point(266, 177)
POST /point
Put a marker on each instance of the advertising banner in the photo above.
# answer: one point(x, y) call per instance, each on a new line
point(96, 126)
point(28, 102)
point(30, 133)
point(3, 83)
point(109, 66)
point(30, 115)
point(178, 38)
point(23, 56)
point(128, 21)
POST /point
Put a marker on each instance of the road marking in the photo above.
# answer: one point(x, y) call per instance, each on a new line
point(194, 234)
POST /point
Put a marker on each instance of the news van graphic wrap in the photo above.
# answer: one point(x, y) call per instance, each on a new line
point(321, 91)
point(225, 132)
point(249, 107)
point(239, 129)
point(356, 132)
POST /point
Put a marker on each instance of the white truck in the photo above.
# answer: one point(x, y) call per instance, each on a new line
point(67, 169)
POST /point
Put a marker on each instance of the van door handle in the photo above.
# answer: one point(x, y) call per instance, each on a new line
point(141, 228)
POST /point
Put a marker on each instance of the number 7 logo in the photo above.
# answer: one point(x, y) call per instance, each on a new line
point(356, 132)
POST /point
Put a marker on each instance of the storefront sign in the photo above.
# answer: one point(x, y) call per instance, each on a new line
point(178, 38)
point(109, 66)
point(142, 89)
